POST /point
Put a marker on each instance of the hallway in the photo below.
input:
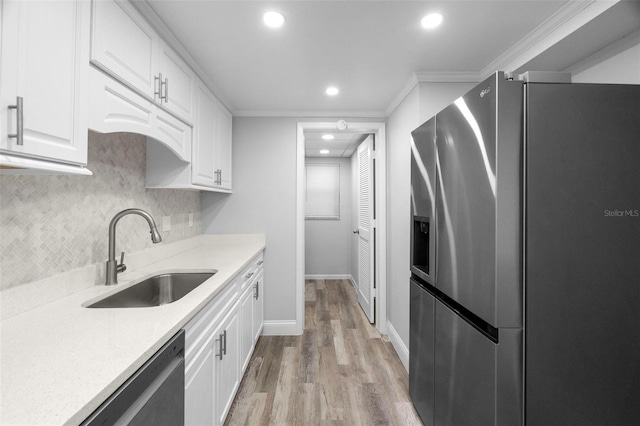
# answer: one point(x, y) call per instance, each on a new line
point(340, 371)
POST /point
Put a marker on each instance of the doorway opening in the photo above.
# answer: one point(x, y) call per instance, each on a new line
point(378, 202)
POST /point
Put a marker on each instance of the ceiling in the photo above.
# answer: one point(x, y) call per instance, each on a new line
point(343, 144)
point(371, 50)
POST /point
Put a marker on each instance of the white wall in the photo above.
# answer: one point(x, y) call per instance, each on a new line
point(328, 242)
point(424, 101)
point(616, 63)
point(264, 201)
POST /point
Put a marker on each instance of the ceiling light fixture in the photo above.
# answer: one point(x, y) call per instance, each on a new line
point(328, 137)
point(431, 21)
point(273, 19)
point(332, 91)
point(324, 151)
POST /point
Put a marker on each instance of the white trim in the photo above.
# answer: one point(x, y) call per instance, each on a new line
point(300, 194)
point(280, 328)
point(403, 93)
point(569, 18)
point(448, 77)
point(16, 165)
point(401, 349)
point(431, 77)
point(379, 129)
point(329, 277)
point(302, 113)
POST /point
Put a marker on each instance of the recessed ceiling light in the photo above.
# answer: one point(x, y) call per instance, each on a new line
point(327, 137)
point(273, 19)
point(332, 91)
point(431, 21)
point(324, 151)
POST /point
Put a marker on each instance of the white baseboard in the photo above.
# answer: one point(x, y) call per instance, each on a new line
point(398, 345)
point(280, 328)
point(328, 277)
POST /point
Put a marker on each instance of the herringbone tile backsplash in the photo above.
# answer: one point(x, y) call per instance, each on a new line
point(52, 224)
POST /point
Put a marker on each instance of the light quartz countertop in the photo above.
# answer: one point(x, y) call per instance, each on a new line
point(60, 361)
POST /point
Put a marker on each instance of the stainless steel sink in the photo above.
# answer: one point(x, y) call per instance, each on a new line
point(155, 291)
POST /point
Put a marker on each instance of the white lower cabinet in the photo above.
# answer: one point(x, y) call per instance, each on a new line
point(219, 342)
point(258, 305)
point(246, 322)
point(227, 364)
point(199, 393)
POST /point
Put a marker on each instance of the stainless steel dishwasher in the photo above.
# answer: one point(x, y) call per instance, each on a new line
point(153, 395)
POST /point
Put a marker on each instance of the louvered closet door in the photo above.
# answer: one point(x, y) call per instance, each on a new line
point(366, 229)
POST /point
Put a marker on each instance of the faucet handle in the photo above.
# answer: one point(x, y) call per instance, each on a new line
point(121, 267)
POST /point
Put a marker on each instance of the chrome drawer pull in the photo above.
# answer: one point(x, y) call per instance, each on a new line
point(19, 135)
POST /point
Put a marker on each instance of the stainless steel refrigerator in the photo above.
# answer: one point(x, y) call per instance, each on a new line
point(525, 257)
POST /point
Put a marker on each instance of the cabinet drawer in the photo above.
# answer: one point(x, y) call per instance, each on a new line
point(197, 330)
point(250, 272)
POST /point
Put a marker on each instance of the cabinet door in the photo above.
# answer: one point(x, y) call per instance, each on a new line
point(123, 44)
point(44, 61)
point(174, 133)
point(258, 305)
point(222, 151)
point(178, 84)
point(116, 108)
point(203, 168)
point(227, 372)
point(246, 327)
point(199, 388)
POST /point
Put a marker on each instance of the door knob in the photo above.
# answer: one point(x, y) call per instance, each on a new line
point(356, 231)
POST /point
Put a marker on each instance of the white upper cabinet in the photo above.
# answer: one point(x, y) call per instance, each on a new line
point(212, 142)
point(125, 46)
point(44, 68)
point(203, 167)
point(222, 155)
point(210, 166)
point(178, 83)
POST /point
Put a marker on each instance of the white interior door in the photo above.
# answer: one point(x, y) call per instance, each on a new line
point(366, 229)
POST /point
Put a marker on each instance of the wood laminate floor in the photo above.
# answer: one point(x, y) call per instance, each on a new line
point(339, 372)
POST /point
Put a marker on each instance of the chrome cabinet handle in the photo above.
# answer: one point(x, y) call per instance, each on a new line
point(224, 336)
point(19, 134)
point(157, 86)
point(257, 288)
point(218, 176)
point(166, 88)
point(260, 262)
point(220, 354)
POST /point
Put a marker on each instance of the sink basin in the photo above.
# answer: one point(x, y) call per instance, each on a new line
point(155, 291)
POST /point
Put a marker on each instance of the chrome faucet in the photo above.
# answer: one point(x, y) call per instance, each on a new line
point(112, 265)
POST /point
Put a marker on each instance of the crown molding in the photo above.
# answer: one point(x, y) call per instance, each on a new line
point(448, 77)
point(403, 93)
point(431, 77)
point(169, 37)
point(569, 18)
point(310, 114)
